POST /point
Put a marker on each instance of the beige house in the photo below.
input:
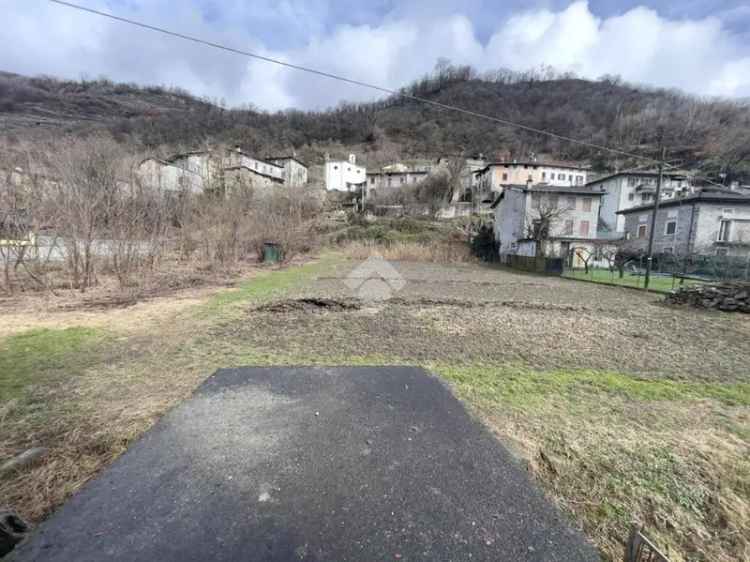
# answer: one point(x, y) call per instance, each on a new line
point(496, 175)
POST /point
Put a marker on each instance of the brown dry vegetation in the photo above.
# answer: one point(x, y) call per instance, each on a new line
point(623, 409)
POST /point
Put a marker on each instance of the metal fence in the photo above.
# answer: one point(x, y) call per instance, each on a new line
point(640, 549)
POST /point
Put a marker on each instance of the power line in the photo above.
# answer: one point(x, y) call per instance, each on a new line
point(354, 82)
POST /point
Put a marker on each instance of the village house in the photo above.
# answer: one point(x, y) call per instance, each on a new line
point(572, 213)
point(394, 176)
point(295, 171)
point(496, 175)
point(712, 221)
point(345, 175)
point(198, 171)
point(633, 188)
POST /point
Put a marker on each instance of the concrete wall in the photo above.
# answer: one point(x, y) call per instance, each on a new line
point(510, 221)
point(157, 175)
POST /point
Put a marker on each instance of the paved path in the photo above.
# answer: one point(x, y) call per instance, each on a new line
point(312, 464)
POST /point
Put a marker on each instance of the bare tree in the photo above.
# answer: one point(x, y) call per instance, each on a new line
point(540, 224)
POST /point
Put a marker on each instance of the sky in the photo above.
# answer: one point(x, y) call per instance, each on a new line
point(698, 46)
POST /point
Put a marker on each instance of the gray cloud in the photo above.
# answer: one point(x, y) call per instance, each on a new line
point(375, 42)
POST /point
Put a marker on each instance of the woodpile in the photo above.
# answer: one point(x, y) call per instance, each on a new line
point(729, 297)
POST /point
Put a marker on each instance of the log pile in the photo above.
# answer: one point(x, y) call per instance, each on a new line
point(729, 297)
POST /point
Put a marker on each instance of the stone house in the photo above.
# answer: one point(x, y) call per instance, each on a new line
point(574, 224)
point(394, 176)
point(295, 171)
point(712, 221)
point(198, 171)
point(496, 175)
point(627, 189)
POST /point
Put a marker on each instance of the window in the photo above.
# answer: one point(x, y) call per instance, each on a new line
point(724, 230)
point(646, 197)
point(372, 181)
point(579, 180)
point(359, 171)
point(668, 250)
point(568, 228)
point(505, 177)
point(632, 182)
point(670, 228)
point(583, 228)
point(631, 196)
point(570, 178)
point(587, 204)
point(554, 200)
point(722, 252)
point(403, 179)
point(536, 200)
point(544, 175)
point(561, 176)
point(642, 228)
point(348, 169)
point(571, 203)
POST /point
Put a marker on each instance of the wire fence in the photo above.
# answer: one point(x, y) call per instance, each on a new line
point(668, 272)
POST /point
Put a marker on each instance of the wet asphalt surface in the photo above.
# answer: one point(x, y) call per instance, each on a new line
point(316, 465)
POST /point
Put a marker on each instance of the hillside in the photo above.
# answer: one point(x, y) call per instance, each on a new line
point(45, 102)
point(713, 135)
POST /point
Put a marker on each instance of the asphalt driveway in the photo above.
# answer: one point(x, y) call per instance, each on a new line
point(312, 464)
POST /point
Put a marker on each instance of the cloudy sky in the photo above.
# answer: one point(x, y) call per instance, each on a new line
point(700, 46)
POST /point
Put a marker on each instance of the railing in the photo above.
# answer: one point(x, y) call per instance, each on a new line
point(640, 549)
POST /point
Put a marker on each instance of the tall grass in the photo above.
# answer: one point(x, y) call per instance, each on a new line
point(436, 251)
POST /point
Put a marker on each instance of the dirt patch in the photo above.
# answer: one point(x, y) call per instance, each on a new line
point(310, 305)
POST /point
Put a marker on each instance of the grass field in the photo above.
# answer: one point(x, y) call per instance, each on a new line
point(622, 408)
point(658, 283)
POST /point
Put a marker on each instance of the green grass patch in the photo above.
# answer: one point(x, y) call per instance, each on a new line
point(606, 277)
point(269, 284)
point(37, 356)
point(522, 387)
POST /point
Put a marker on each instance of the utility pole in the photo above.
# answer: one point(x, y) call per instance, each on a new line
point(652, 228)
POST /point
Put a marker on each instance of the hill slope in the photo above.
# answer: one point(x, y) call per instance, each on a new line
point(711, 134)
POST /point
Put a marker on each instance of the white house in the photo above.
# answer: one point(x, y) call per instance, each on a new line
point(345, 175)
point(627, 189)
point(573, 212)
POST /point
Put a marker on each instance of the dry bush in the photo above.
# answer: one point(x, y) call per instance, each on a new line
point(439, 252)
point(94, 215)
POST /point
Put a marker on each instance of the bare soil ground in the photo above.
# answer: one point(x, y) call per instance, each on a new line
point(623, 408)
